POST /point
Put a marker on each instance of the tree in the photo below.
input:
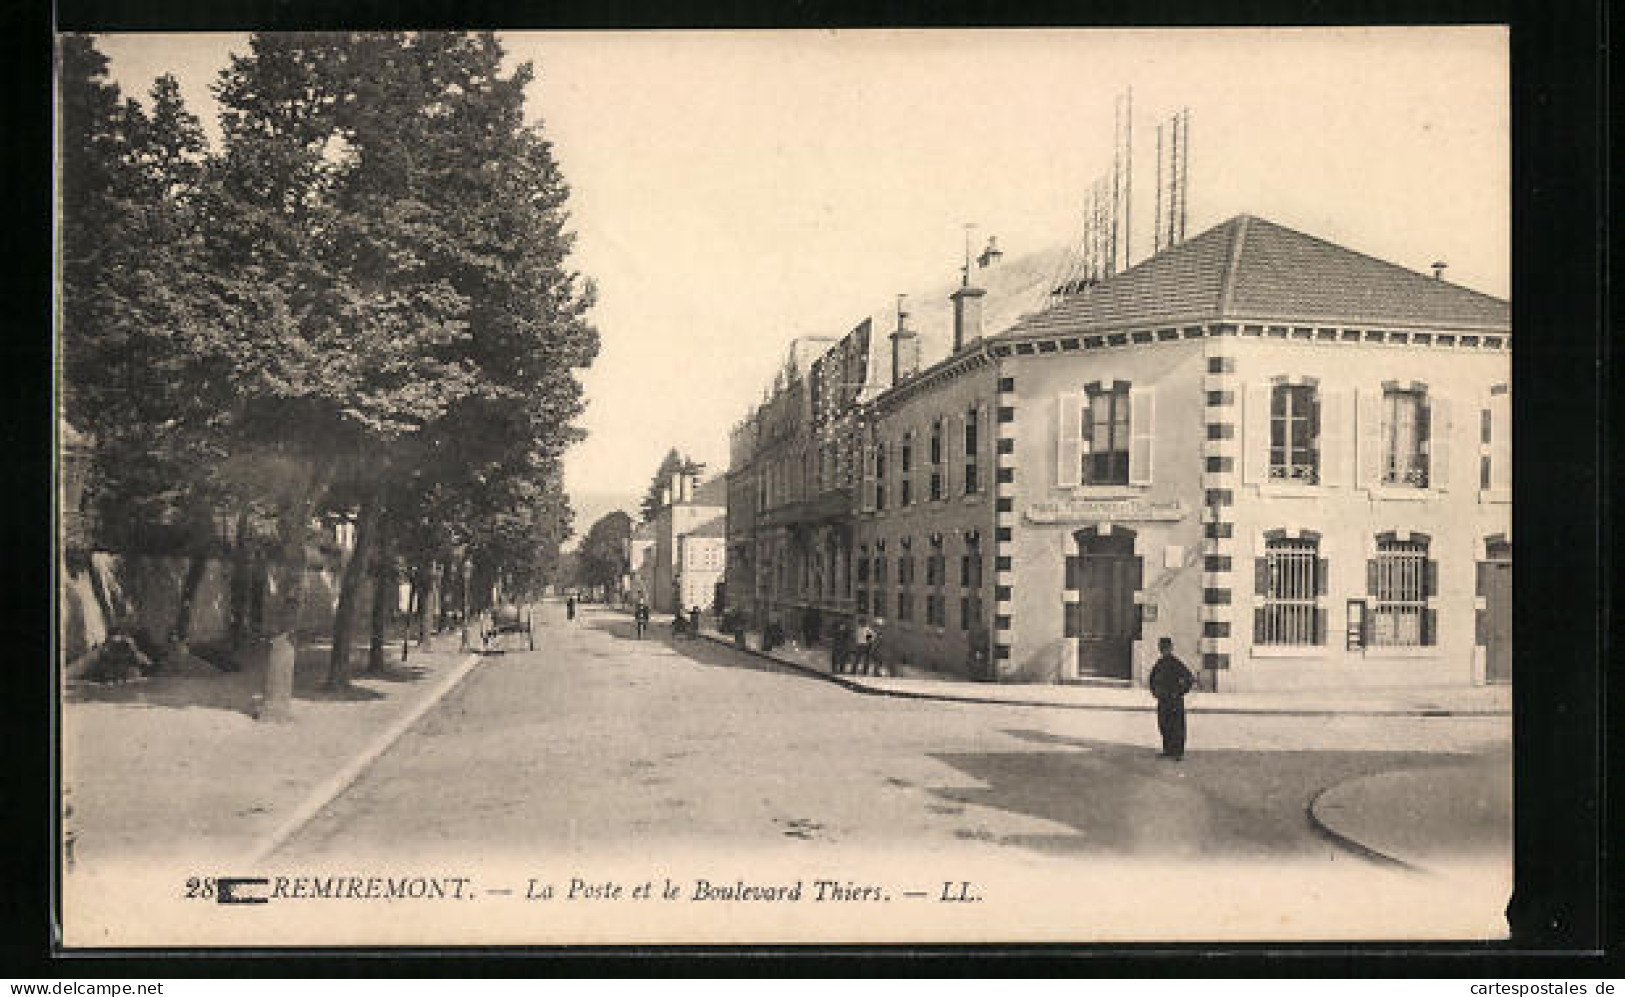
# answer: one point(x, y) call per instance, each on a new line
point(388, 251)
point(602, 561)
point(671, 464)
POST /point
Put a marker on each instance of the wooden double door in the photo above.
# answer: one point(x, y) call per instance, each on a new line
point(1105, 618)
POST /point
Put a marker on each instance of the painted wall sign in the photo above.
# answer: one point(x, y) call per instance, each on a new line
point(1106, 510)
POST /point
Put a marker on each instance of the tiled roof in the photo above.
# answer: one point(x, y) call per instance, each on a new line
point(1250, 269)
point(712, 492)
point(716, 526)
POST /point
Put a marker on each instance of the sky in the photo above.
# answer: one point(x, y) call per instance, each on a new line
point(734, 190)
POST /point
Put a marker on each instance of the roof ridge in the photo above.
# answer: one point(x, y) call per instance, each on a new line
point(1227, 285)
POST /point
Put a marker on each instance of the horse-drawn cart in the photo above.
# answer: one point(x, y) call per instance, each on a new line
point(507, 620)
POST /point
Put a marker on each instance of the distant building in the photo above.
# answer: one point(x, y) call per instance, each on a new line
point(641, 561)
point(793, 468)
point(687, 504)
point(701, 555)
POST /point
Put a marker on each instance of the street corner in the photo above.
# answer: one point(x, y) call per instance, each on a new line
point(1434, 819)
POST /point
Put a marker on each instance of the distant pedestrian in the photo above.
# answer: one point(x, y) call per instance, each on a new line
point(840, 647)
point(868, 657)
point(570, 608)
point(640, 617)
point(694, 621)
point(1170, 681)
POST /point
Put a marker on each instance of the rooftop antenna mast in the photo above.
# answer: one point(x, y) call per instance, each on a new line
point(1173, 182)
point(1102, 245)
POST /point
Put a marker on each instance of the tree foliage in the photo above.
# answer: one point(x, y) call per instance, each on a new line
point(360, 300)
point(670, 464)
point(603, 558)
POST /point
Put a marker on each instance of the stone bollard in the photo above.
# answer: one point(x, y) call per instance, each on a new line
point(276, 702)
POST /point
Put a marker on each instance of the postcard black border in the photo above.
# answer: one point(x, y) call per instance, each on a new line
point(1566, 558)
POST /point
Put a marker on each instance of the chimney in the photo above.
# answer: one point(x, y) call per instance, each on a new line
point(967, 313)
point(1439, 269)
point(905, 347)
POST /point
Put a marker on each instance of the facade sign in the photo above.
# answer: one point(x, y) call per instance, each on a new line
point(1106, 510)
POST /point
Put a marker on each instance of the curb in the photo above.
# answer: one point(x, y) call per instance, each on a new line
point(1350, 844)
point(325, 793)
point(855, 686)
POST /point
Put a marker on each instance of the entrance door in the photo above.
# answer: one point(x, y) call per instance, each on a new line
point(1495, 583)
point(1108, 574)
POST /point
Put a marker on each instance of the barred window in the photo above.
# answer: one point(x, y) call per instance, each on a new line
point(863, 602)
point(1400, 579)
point(1291, 579)
point(905, 606)
point(1294, 433)
point(1405, 434)
point(863, 563)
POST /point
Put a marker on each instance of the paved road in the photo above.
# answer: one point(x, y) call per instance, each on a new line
point(599, 740)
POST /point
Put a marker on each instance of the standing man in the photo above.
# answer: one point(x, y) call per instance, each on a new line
point(694, 622)
point(640, 616)
point(570, 606)
point(1170, 681)
point(840, 640)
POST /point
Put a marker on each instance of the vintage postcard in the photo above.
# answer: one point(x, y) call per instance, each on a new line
point(784, 487)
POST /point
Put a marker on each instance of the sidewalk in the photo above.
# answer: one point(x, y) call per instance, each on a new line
point(916, 683)
point(1432, 819)
point(174, 765)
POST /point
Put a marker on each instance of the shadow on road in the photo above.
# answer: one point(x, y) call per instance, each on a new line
point(234, 691)
point(1125, 800)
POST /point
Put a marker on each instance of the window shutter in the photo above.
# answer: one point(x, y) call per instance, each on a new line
point(1255, 436)
point(953, 447)
point(1501, 441)
point(1320, 626)
point(1071, 572)
point(1369, 426)
point(1440, 429)
point(1068, 438)
point(1258, 625)
point(866, 485)
point(1371, 577)
point(1142, 433)
point(1261, 576)
point(1334, 439)
point(1430, 578)
point(1321, 573)
point(1430, 627)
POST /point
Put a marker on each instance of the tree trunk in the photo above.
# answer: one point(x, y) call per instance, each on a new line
point(294, 537)
point(242, 582)
point(196, 568)
point(384, 595)
point(426, 601)
point(355, 570)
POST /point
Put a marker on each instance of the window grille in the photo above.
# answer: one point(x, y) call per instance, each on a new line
point(1400, 584)
point(1289, 616)
point(1294, 434)
point(1405, 438)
